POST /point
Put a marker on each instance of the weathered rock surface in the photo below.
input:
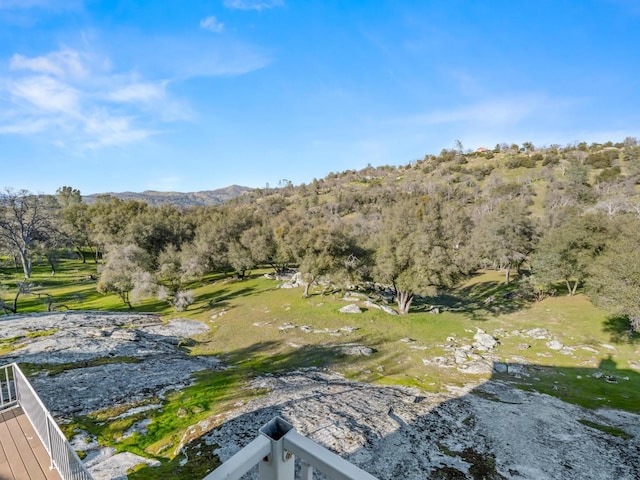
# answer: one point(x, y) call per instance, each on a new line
point(106, 464)
point(384, 308)
point(555, 345)
point(146, 362)
point(356, 350)
point(395, 432)
point(538, 333)
point(489, 430)
point(352, 308)
point(484, 341)
point(295, 281)
point(143, 357)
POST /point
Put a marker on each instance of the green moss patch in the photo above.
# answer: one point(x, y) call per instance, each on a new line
point(607, 429)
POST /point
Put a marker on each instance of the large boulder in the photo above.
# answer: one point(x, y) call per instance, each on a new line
point(483, 341)
point(351, 308)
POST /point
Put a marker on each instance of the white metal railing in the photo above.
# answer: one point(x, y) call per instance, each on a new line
point(20, 392)
point(8, 393)
point(274, 451)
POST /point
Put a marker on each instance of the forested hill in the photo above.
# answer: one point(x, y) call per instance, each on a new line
point(595, 177)
point(565, 219)
point(190, 199)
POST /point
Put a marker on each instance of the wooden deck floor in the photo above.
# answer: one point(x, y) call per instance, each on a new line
point(22, 455)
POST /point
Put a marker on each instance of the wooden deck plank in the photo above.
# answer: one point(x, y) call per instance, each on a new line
point(5, 471)
point(18, 468)
point(28, 430)
point(29, 460)
point(3, 456)
point(45, 462)
point(25, 458)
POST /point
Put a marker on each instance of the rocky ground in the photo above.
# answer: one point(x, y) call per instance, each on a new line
point(488, 430)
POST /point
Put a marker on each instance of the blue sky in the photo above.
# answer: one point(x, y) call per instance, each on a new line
point(186, 96)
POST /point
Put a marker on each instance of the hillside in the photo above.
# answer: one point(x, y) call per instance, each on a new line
point(203, 198)
point(597, 177)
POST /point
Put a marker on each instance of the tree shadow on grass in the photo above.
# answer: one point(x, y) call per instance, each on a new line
point(221, 298)
point(270, 357)
point(619, 328)
point(479, 301)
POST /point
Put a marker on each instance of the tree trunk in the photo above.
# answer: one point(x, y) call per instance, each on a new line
point(634, 325)
point(507, 274)
point(125, 299)
point(52, 264)
point(26, 264)
point(307, 285)
point(404, 299)
point(15, 300)
point(82, 255)
point(571, 289)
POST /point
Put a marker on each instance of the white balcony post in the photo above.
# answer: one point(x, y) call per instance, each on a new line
point(306, 473)
point(275, 450)
point(279, 464)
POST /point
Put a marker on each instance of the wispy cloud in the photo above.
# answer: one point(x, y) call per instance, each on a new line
point(192, 55)
point(253, 4)
point(139, 92)
point(63, 63)
point(522, 116)
point(212, 24)
point(75, 102)
point(494, 111)
point(79, 99)
point(46, 94)
point(25, 128)
point(106, 130)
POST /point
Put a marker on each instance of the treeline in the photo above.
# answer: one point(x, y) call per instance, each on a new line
point(565, 218)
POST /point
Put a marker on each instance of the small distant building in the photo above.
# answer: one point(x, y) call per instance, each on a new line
point(482, 150)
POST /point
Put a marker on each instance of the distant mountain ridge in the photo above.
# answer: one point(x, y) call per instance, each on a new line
point(187, 199)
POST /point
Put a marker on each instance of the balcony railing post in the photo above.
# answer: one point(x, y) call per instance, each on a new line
point(275, 451)
point(279, 465)
point(16, 390)
point(306, 472)
point(50, 447)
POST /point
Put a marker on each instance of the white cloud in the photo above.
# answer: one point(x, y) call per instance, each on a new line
point(74, 102)
point(81, 100)
point(253, 4)
point(212, 24)
point(494, 111)
point(25, 128)
point(491, 111)
point(139, 92)
point(46, 93)
point(62, 63)
point(106, 130)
